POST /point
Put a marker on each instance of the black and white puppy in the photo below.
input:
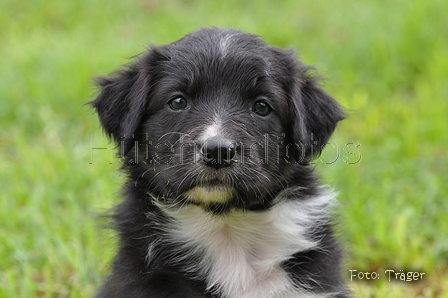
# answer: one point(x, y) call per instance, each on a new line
point(216, 132)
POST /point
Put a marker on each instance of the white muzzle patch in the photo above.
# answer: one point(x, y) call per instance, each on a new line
point(209, 195)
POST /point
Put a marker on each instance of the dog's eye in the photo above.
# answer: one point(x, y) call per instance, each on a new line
point(178, 103)
point(261, 108)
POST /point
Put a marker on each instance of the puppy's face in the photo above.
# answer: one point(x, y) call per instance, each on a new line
point(217, 119)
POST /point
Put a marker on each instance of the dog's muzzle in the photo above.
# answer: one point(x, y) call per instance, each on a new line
point(217, 153)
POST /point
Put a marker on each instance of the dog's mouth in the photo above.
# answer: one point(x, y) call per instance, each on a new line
point(219, 196)
point(210, 194)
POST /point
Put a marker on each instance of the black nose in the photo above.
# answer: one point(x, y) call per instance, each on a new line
point(217, 152)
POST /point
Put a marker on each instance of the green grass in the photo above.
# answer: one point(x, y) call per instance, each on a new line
point(386, 61)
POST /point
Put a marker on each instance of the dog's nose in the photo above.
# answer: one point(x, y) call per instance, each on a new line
point(218, 152)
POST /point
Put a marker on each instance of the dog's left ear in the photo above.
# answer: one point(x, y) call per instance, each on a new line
point(314, 114)
point(121, 104)
point(321, 115)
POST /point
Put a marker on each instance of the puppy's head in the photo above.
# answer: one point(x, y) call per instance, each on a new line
point(217, 118)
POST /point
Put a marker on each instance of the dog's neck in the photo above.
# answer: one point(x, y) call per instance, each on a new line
point(241, 252)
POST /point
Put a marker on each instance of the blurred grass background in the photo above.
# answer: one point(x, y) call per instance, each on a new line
point(385, 60)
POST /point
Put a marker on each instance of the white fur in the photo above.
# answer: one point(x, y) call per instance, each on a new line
point(242, 251)
point(212, 130)
point(224, 45)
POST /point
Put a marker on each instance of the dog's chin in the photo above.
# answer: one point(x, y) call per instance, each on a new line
point(209, 195)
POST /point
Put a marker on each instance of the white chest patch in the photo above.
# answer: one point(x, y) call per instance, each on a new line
point(242, 251)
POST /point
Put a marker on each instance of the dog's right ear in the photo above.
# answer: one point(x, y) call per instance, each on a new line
point(121, 104)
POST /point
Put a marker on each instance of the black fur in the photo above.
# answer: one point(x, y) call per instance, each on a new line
point(221, 73)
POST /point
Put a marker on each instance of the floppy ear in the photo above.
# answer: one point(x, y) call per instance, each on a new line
point(121, 104)
point(314, 116)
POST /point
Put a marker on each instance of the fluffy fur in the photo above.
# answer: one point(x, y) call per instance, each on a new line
point(216, 131)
